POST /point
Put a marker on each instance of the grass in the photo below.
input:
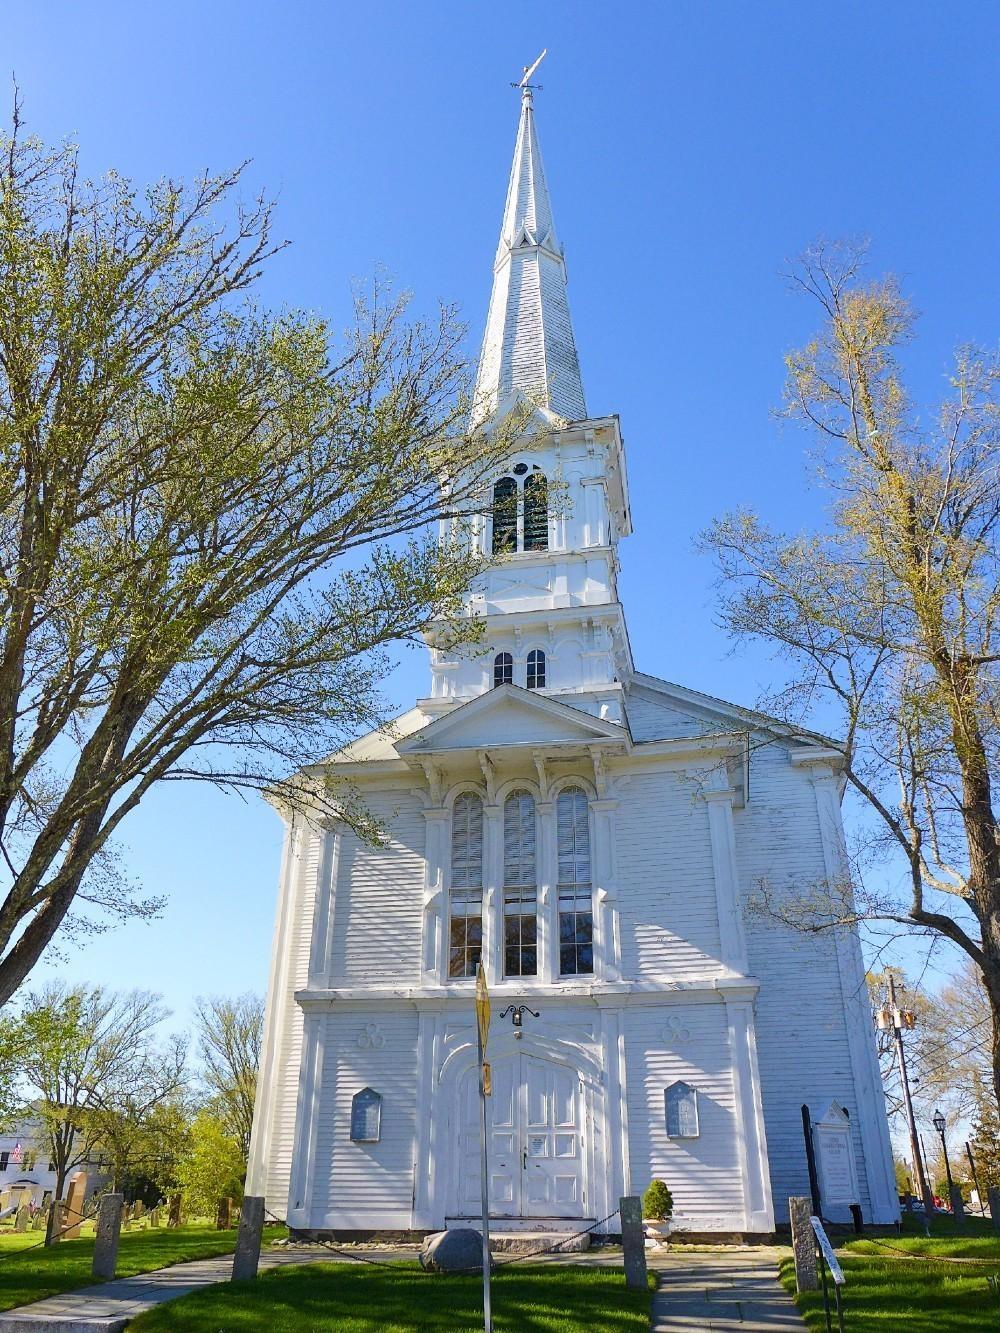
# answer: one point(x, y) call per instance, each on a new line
point(885, 1291)
point(401, 1298)
point(41, 1272)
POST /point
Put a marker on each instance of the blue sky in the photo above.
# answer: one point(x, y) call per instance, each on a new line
point(691, 149)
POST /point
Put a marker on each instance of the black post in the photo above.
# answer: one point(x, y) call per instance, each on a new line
point(947, 1163)
point(857, 1219)
point(811, 1161)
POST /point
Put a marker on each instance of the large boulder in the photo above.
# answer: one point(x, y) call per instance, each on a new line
point(459, 1250)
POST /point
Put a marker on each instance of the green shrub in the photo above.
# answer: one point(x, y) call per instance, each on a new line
point(657, 1202)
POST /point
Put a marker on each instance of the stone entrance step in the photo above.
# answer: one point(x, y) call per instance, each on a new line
point(530, 1242)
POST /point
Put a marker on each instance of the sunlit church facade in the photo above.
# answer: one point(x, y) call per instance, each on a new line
point(594, 835)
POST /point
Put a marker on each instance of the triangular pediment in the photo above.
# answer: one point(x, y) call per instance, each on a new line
point(509, 715)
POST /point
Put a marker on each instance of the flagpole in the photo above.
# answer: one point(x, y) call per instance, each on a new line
point(482, 1032)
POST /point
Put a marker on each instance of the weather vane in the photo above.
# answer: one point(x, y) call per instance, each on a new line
point(525, 83)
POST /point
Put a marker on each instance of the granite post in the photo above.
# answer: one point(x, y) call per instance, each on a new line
point(993, 1194)
point(109, 1226)
point(633, 1241)
point(248, 1238)
point(957, 1207)
point(803, 1243)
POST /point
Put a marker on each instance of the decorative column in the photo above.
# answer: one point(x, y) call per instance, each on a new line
point(718, 797)
point(300, 1185)
point(751, 1141)
point(872, 1125)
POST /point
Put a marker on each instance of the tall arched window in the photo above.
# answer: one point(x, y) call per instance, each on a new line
point(536, 669)
point(536, 513)
point(465, 927)
point(505, 515)
point(520, 886)
point(576, 908)
point(503, 669)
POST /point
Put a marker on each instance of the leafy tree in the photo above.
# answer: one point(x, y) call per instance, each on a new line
point(79, 1044)
point(985, 1142)
point(229, 1034)
point(212, 519)
point(213, 1167)
point(888, 618)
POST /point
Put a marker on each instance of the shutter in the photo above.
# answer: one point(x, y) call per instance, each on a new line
point(519, 839)
point(467, 842)
point(573, 837)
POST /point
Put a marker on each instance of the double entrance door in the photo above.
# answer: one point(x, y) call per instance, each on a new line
point(534, 1140)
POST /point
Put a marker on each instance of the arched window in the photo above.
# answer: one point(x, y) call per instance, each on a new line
point(520, 886)
point(466, 924)
point(536, 669)
point(576, 909)
point(503, 669)
point(505, 515)
point(536, 513)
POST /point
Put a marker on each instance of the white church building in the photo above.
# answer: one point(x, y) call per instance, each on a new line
point(596, 836)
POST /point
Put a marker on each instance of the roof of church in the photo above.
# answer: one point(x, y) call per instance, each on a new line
point(528, 349)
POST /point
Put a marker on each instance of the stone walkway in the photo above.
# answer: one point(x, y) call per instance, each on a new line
point(734, 1290)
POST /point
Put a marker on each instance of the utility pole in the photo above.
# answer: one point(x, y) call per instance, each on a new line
point(898, 1019)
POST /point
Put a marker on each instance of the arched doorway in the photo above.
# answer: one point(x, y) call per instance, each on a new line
point(535, 1140)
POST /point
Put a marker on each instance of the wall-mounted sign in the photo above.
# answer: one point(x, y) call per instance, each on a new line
point(682, 1111)
point(838, 1179)
point(366, 1116)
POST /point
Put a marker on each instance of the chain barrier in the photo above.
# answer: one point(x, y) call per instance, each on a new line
point(552, 1249)
point(47, 1240)
point(924, 1258)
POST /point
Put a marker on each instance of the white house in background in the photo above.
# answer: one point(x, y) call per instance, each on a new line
point(593, 834)
point(27, 1176)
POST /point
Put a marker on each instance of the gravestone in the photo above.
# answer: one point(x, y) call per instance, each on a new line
point(803, 1243)
point(154, 1216)
point(22, 1218)
point(838, 1175)
point(247, 1255)
point(224, 1215)
point(40, 1219)
point(993, 1194)
point(957, 1206)
point(138, 1210)
point(633, 1241)
point(174, 1212)
point(109, 1225)
point(59, 1217)
point(74, 1204)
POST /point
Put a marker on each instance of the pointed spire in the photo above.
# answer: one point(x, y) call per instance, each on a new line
point(529, 347)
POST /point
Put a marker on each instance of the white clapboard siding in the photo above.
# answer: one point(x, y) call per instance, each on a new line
point(665, 1043)
point(669, 914)
point(366, 1184)
point(378, 898)
point(652, 721)
point(802, 1040)
point(285, 1020)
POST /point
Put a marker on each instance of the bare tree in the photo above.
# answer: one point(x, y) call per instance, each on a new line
point(211, 519)
point(229, 1039)
point(888, 619)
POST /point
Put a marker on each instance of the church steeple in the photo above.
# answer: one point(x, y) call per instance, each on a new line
point(528, 349)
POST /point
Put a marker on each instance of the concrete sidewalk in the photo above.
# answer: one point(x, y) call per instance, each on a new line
point(734, 1290)
point(108, 1307)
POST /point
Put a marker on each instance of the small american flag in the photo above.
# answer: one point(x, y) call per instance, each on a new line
point(17, 1154)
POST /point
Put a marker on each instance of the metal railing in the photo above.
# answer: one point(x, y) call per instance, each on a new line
point(828, 1260)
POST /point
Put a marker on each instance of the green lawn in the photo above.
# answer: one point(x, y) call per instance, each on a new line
point(401, 1298)
point(885, 1291)
point(43, 1272)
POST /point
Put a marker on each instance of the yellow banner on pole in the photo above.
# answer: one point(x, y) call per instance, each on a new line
point(482, 1008)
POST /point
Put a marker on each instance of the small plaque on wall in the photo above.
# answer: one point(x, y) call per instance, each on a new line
point(366, 1116)
point(682, 1111)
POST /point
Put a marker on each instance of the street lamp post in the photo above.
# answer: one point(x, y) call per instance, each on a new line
point(939, 1123)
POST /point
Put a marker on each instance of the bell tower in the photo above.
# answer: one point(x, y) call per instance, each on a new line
point(560, 507)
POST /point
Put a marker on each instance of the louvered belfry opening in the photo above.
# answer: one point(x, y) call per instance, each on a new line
point(505, 516)
point(520, 886)
point(536, 512)
point(576, 910)
point(466, 924)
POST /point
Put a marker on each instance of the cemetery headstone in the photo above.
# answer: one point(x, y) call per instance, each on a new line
point(174, 1213)
point(803, 1244)
point(40, 1219)
point(633, 1241)
point(109, 1225)
point(154, 1216)
point(138, 1210)
point(74, 1204)
point(248, 1237)
point(21, 1218)
point(224, 1215)
point(957, 1207)
point(58, 1215)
